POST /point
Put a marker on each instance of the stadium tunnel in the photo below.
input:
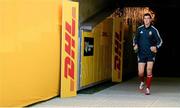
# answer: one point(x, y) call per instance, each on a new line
point(72, 45)
point(166, 18)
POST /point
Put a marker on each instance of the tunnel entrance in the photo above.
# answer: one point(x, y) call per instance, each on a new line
point(106, 51)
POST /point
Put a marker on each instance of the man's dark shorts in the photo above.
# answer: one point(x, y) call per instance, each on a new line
point(146, 58)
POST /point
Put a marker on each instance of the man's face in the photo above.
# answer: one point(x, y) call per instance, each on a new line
point(147, 20)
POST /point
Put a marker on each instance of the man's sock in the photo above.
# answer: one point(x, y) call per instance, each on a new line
point(148, 81)
point(141, 78)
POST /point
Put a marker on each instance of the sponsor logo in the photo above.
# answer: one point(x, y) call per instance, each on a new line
point(70, 50)
point(88, 46)
point(150, 33)
point(117, 57)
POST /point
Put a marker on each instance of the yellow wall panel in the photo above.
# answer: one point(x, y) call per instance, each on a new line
point(87, 69)
point(29, 51)
point(98, 67)
point(106, 38)
point(97, 52)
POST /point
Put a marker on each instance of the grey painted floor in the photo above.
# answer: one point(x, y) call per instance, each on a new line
point(165, 92)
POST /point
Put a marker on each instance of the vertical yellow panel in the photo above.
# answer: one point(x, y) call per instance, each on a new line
point(69, 49)
point(96, 56)
point(106, 39)
point(29, 51)
point(117, 50)
point(122, 45)
point(87, 62)
point(97, 36)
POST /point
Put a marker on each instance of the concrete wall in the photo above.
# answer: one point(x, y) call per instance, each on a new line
point(90, 7)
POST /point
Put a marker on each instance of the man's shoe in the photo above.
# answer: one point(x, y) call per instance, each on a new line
point(147, 91)
point(141, 86)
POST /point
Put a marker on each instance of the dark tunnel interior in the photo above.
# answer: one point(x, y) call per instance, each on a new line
point(167, 63)
point(168, 58)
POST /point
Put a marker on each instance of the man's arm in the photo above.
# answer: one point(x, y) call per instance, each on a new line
point(135, 41)
point(158, 38)
point(136, 38)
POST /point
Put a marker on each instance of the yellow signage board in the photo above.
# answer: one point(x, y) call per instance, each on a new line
point(69, 49)
point(117, 50)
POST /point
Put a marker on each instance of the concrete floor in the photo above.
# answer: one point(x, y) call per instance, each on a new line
point(165, 92)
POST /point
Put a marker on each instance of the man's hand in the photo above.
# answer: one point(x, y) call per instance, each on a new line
point(136, 48)
point(153, 49)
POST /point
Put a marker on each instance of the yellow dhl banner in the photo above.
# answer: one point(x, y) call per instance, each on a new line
point(117, 50)
point(69, 49)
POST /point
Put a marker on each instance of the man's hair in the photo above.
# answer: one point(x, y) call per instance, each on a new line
point(147, 14)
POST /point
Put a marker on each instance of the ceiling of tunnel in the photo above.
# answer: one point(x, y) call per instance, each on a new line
point(150, 3)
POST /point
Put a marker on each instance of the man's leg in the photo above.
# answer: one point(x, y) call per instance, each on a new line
point(141, 67)
point(149, 76)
